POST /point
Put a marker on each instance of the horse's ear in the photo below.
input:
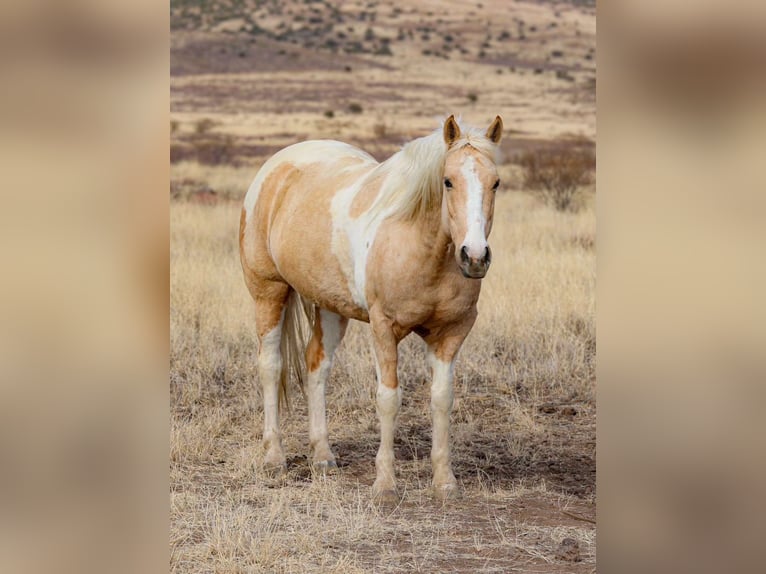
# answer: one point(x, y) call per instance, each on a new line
point(495, 130)
point(451, 131)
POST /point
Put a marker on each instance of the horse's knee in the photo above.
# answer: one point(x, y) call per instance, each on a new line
point(442, 402)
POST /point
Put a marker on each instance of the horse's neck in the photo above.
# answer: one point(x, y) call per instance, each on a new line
point(433, 242)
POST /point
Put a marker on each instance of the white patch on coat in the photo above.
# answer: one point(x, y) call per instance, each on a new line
point(359, 235)
point(475, 240)
point(353, 264)
point(330, 331)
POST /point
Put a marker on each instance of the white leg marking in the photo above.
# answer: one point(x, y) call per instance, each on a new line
point(318, 436)
point(388, 403)
point(269, 371)
point(441, 407)
point(475, 238)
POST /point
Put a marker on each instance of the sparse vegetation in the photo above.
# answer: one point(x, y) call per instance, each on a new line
point(355, 108)
point(215, 151)
point(203, 126)
point(380, 129)
point(472, 97)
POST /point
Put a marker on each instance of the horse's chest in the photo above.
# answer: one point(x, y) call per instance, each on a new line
point(433, 305)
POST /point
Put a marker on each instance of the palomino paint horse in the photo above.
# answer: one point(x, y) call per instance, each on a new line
point(328, 231)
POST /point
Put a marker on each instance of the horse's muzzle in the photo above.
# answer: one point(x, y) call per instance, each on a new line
point(474, 268)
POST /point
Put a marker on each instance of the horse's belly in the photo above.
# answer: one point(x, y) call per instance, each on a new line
point(310, 254)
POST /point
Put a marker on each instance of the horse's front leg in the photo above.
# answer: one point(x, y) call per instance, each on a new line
point(442, 352)
point(389, 399)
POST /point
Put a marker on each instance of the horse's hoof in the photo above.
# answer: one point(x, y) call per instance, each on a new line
point(324, 467)
point(274, 469)
point(446, 492)
point(386, 497)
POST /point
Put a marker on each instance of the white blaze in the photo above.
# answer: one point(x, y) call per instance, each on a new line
point(475, 238)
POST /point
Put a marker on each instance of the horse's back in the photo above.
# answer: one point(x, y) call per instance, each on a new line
point(287, 220)
point(302, 155)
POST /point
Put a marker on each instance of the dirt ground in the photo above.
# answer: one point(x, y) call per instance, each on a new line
point(249, 77)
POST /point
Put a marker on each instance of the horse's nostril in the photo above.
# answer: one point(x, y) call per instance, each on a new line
point(464, 254)
point(487, 255)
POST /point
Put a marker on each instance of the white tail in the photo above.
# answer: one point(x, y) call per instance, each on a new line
point(296, 330)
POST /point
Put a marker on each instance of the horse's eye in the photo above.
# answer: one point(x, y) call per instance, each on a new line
point(447, 183)
point(497, 184)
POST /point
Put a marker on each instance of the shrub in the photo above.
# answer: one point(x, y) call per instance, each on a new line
point(215, 152)
point(329, 114)
point(355, 108)
point(204, 125)
point(472, 97)
point(559, 174)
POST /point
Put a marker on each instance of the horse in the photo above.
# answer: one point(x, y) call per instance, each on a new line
point(328, 234)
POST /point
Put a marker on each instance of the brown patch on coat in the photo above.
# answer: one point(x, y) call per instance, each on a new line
point(269, 306)
point(256, 260)
point(266, 286)
point(271, 196)
point(315, 350)
point(242, 222)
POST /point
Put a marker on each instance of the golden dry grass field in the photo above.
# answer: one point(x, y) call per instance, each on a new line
point(524, 419)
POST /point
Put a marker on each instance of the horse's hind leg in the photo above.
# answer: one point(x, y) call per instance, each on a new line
point(328, 332)
point(270, 301)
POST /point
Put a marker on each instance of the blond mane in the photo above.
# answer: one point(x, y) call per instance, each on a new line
point(412, 184)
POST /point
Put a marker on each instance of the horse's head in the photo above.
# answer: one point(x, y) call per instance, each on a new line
point(468, 204)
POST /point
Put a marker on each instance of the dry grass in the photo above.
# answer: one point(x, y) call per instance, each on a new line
point(523, 432)
point(190, 178)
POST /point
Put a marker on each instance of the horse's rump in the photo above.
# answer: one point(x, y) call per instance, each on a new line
point(290, 219)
